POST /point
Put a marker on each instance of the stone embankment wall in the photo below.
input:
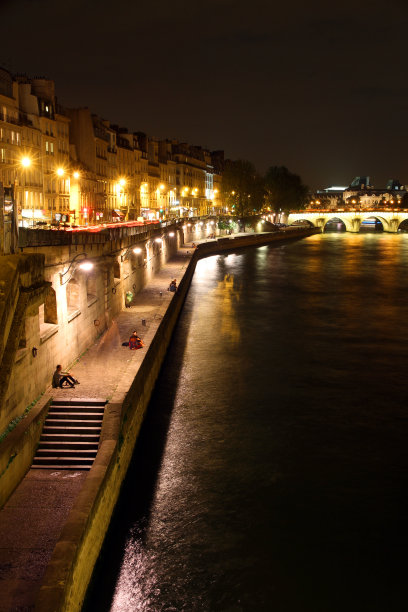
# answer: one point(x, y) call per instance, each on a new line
point(50, 315)
point(70, 570)
point(78, 306)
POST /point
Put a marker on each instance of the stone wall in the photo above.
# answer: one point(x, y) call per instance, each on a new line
point(77, 308)
point(57, 326)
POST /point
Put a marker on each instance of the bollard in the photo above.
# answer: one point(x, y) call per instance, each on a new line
point(144, 322)
point(161, 293)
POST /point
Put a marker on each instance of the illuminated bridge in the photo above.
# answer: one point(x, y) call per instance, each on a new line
point(391, 219)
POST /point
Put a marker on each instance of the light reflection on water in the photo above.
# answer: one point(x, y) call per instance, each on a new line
point(272, 470)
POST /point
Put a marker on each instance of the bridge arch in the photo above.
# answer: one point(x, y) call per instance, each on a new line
point(403, 225)
point(352, 224)
point(334, 220)
point(387, 227)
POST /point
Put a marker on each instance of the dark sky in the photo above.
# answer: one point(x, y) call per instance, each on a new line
point(320, 88)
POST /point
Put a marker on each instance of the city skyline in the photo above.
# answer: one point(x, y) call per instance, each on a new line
point(315, 88)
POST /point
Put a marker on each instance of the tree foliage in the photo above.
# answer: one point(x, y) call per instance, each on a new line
point(242, 187)
point(284, 190)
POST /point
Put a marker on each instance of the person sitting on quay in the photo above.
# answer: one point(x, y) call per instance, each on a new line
point(59, 378)
point(135, 342)
point(173, 286)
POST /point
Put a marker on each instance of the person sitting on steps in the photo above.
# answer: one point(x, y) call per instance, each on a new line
point(59, 378)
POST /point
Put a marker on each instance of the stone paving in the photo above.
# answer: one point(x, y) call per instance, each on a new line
point(30, 525)
point(32, 519)
point(104, 365)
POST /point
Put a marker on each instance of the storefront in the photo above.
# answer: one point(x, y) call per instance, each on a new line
point(117, 215)
point(31, 217)
point(150, 214)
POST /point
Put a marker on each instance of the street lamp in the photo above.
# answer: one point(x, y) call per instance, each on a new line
point(135, 250)
point(83, 264)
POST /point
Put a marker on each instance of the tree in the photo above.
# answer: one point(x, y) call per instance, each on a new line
point(242, 188)
point(284, 190)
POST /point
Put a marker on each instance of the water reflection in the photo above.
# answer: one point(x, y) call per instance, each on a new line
point(279, 483)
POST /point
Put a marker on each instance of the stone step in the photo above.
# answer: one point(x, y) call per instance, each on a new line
point(54, 429)
point(61, 467)
point(69, 415)
point(69, 437)
point(79, 409)
point(70, 422)
point(66, 452)
point(79, 402)
point(67, 444)
point(71, 460)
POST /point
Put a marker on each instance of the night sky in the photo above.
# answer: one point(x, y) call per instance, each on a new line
point(317, 87)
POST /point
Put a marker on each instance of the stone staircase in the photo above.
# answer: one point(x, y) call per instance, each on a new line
point(70, 436)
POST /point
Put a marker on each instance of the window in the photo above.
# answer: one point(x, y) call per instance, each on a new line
point(91, 289)
point(116, 271)
point(72, 296)
point(50, 307)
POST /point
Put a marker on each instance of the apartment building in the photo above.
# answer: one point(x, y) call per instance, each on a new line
point(72, 165)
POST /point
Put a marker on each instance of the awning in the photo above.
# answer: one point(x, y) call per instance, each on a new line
point(117, 213)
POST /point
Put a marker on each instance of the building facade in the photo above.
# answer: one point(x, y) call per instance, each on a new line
point(71, 166)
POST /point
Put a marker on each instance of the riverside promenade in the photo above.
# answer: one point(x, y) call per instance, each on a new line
point(32, 519)
point(53, 525)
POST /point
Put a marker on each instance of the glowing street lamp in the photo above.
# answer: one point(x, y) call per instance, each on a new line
point(83, 264)
point(60, 171)
point(86, 266)
point(25, 162)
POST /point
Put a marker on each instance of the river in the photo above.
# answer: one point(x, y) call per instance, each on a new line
point(271, 471)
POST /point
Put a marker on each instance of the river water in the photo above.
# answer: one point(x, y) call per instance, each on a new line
point(271, 472)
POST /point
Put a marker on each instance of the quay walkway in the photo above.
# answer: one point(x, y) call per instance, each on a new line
point(32, 519)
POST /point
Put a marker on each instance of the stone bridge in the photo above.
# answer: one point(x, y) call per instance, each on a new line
point(352, 219)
